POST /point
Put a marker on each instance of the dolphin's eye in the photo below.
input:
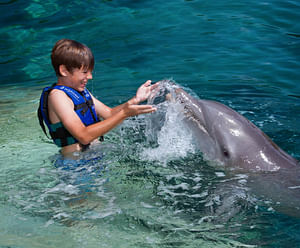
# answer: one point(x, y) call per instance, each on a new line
point(225, 152)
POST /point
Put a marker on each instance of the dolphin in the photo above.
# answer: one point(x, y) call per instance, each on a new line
point(225, 136)
point(222, 134)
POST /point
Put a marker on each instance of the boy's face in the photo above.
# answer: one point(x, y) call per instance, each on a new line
point(78, 78)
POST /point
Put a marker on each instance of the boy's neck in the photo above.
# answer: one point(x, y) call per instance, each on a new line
point(63, 81)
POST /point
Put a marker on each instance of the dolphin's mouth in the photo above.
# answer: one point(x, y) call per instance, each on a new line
point(158, 95)
point(192, 111)
point(164, 92)
point(169, 91)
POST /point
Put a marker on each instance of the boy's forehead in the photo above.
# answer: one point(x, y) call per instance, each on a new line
point(84, 68)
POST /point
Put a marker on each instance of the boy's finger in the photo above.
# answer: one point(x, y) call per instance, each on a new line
point(147, 83)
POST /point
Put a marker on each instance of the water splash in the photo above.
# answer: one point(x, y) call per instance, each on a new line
point(165, 130)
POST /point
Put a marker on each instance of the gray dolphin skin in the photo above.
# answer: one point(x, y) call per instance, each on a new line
point(224, 135)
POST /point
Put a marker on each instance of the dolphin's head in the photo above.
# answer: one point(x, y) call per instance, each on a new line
point(214, 130)
point(223, 134)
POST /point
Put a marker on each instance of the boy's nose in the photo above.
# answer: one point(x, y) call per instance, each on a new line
point(89, 75)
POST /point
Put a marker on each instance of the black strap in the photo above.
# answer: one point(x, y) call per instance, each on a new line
point(41, 121)
point(62, 134)
point(89, 104)
point(84, 106)
point(44, 106)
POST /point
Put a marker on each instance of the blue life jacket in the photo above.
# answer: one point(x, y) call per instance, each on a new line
point(83, 106)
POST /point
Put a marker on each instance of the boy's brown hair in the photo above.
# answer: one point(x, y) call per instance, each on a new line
point(72, 54)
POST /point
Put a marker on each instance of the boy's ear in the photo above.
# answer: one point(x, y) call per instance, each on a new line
point(63, 70)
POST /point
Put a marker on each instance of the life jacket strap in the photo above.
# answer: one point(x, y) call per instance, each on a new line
point(41, 121)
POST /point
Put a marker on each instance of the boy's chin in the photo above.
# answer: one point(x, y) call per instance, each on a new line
point(81, 88)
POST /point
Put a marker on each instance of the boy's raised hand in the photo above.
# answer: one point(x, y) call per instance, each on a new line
point(144, 91)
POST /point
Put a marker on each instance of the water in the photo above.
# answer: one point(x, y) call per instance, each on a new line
point(146, 194)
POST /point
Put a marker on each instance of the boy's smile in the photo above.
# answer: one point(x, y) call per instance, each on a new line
point(77, 79)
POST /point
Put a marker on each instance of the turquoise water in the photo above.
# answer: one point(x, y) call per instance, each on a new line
point(245, 54)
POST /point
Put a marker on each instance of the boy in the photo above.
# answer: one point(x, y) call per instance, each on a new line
point(70, 111)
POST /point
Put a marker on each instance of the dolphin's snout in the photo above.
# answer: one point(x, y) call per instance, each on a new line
point(160, 94)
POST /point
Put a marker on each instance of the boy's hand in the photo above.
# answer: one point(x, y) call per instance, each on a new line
point(132, 109)
point(144, 91)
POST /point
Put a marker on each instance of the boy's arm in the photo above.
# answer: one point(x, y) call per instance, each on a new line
point(105, 112)
point(63, 108)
